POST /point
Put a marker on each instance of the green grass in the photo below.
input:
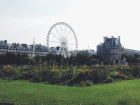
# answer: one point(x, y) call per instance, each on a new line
point(27, 93)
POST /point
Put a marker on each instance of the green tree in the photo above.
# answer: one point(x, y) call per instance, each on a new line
point(37, 57)
point(58, 58)
point(25, 58)
point(18, 59)
point(11, 58)
point(81, 58)
point(136, 56)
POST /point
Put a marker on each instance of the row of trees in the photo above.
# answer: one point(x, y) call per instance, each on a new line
point(80, 58)
point(23, 59)
point(130, 58)
point(11, 58)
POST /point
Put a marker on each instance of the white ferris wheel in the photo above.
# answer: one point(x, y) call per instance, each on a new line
point(61, 39)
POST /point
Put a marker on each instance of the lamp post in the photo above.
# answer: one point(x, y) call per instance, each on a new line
point(102, 63)
point(119, 60)
point(114, 62)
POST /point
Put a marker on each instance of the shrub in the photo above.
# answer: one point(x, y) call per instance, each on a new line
point(44, 78)
point(55, 79)
point(16, 77)
point(116, 77)
point(11, 77)
point(122, 77)
point(109, 80)
point(104, 74)
point(135, 71)
point(89, 83)
point(96, 77)
point(129, 75)
point(138, 76)
point(36, 78)
point(78, 78)
point(128, 78)
point(112, 69)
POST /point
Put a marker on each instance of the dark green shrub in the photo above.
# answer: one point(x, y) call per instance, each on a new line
point(55, 80)
point(122, 77)
point(88, 83)
point(109, 80)
point(16, 77)
point(21, 77)
point(128, 78)
point(135, 71)
point(77, 79)
point(116, 77)
point(36, 78)
point(138, 76)
point(129, 75)
point(11, 77)
point(63, 67)
point(96, 78)
point(1, 66)
point(44, 78)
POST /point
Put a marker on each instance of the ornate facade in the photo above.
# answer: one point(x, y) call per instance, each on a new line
point(111, 48)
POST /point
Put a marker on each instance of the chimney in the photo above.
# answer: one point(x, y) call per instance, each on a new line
point(118, 39)
point(105, 40)
point(112, 41)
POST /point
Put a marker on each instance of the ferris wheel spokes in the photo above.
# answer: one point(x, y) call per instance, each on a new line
point(70, 43)
point(55, 41)
point(68, 34)
point(61, 31)
point(70, 39)
point(55, 36)
point(58, 33)
point(65, 31)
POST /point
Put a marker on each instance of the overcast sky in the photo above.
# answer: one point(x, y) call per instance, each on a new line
point(23, 20)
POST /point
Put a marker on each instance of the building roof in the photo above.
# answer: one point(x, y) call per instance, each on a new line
point(109, 42)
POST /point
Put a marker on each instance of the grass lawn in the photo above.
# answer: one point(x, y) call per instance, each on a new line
point(27, 93)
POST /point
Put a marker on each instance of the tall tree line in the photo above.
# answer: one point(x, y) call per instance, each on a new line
point(80, 58)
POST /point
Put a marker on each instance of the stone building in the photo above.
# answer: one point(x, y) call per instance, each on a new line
point(22, 48)
point(111, 48)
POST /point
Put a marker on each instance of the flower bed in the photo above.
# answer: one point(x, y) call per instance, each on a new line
point(72, 75)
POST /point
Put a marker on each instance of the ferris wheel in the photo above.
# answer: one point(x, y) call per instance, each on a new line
point(61, 39)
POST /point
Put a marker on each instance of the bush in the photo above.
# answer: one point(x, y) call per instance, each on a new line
point(112, 69)
point(89, 83)
point(128, 78)
point(36, 78)
point(44, 78)
point(122, 77)
point(11, 77)
point(116, 77)
point(96, 77)
point(135, 71)
point(77, 79)
point(16, 77)
point(109, 80)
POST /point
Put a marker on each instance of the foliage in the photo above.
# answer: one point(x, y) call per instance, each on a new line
point(93, 61)
point(109, 80)
point(70, 75)
point(81, 58)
